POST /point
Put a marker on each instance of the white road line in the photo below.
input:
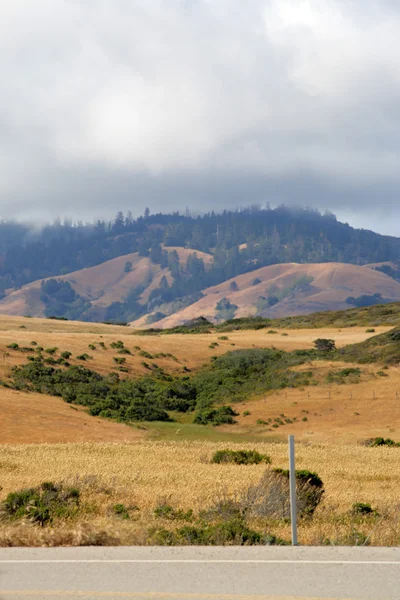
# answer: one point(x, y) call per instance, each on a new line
point(202, 562)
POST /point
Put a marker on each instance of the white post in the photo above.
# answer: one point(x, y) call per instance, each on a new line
point(292, 481)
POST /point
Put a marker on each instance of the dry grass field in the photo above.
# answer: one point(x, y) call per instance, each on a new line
point(29, 418)
point(145, 474)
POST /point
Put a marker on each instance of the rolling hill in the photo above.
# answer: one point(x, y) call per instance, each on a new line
point(100, 286)
point(288, 289)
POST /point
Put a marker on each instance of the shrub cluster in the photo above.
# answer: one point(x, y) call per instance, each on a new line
point(240, 457)
point(41, 505)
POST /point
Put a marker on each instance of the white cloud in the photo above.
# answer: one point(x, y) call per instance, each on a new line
point(200, 88)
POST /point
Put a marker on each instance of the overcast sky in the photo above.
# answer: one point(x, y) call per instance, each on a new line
point(123, 104)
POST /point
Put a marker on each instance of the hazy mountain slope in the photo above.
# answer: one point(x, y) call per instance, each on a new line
point(300, 289)
point(101, 285)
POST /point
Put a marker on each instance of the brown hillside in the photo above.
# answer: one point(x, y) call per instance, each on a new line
point(330, 285)
point(101, 285)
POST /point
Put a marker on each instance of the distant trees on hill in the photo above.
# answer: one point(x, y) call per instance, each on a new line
point(239, 240)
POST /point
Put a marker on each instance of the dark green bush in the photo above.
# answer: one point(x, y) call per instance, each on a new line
point(216, 416)
point(41, 505)
point(380, 441)
point(363, 509)
point(240, 457)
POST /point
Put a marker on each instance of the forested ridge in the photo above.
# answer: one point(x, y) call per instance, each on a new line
point(239, 240)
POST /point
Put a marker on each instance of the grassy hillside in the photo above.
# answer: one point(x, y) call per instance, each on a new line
point(277, 364)
point(128, 280)
point(289, 289)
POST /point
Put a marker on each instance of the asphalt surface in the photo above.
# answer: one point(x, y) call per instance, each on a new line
point(194, 573)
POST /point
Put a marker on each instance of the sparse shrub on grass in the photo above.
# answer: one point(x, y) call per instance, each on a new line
point(102, 344)
point(33, 343)
point(261, 422)
point(84, 356)
point(240, 457)
point(66, 354)
point(223, 337)
point(271, 331)
point(380, 441)
point(124, 351)
point(216, 416)
point(324, 345)
point(13, 346)
point(92, 347)
point(270, 497)
point(51, 350)
point(382, 374)
point(213, 345)
point(246, 413)
point(123, 369)
point(117, 345)
point(145, 354)
point(370, 330)
point(120, 510)
point(363, 509)
point(120, 360)
point(233, 532)
point(41, 505)
point(166, 511)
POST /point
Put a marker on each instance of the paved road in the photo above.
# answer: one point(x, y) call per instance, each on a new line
point(192, 573)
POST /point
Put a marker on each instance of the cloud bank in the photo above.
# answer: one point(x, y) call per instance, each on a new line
point(110, 104)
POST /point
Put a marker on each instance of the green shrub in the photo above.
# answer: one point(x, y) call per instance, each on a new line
point(66, 354)
point(120, 360)
point(84, 356)
point(240, 457)
point(145, 354)
point(324, 345)
point(223, 337)
point(41, 505)
point(92, 347)
point(124, 351)
point(51, 350)
point(233, 532)
point(117, 344)
point(13, 346)
point(120, 510)
point(363, 509)
point(380, 441)
point(270, 497)
point(166, 511)
point(33, 343)
point(216, 416)
point(246, 413)
point(370, 330)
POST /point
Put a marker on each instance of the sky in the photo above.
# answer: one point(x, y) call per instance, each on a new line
point(110, 105)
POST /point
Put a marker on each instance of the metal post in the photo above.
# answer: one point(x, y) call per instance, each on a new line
point(292, 481)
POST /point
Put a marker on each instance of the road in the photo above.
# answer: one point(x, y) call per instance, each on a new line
point(194, 573)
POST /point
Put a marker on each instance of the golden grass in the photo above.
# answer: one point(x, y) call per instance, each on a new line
point(347, 413)
point(143, 473)
point(37, 418)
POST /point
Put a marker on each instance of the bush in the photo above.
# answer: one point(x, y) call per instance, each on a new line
point(363, 509)
point(380, 441)
point(216, 416)
point(371, 330)
point(120, 510)
point(324, 345)
point(120, 360)
point(166, 511)
point(233, 532)
point(92, 347)
point(41, 505)
point(66, 354)
point(51, 350)
point(270, 497)
point(84, 357)
point(240, 457)
point(117, 344)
